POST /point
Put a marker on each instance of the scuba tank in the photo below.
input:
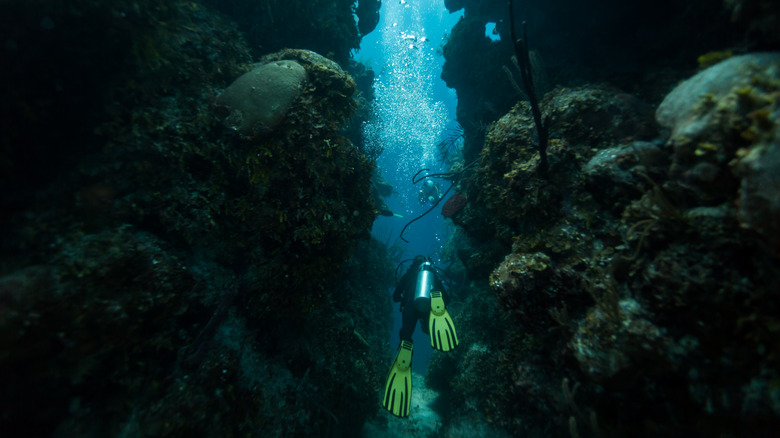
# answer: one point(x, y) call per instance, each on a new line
point(422, 290)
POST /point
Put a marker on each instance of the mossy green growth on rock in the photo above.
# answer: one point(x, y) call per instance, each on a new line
point(313, 183)
point(724, 124)
point(181, 267)
point(582, 120)
point(637, 268)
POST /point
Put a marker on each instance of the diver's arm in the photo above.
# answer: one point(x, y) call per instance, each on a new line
point(397, 295)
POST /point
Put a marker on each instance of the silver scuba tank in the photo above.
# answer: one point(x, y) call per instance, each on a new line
point(424, 286)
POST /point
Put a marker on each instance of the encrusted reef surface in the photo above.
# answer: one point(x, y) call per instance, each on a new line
point(324, 26)
point(642, 47)
point(630, 290)
point(161, 273)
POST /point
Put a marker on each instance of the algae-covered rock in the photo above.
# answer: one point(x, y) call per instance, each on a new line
point(329, 93)
point(519, 283)
point(611, 336)
point(120, 281)
point(686, 109)
point(723, 124)
point(611, 174)
point(759, 194)
point(597, 115)
point(259, 99)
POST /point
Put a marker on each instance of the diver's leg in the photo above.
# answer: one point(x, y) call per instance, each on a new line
point(424, 321)
point(408, 323)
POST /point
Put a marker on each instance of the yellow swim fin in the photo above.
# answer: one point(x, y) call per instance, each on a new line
point(440, 325)
point(398, 389)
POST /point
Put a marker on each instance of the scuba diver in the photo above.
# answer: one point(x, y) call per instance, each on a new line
point(429, 192)
point(422, 296)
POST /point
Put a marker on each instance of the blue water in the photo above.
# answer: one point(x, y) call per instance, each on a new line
point(413, 112)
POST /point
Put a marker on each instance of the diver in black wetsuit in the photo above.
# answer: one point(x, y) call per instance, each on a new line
point(405, 294)
point(421, 293)
point(422, 296)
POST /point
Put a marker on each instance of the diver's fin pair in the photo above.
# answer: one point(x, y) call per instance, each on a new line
point(440, 325)
point(398, 389)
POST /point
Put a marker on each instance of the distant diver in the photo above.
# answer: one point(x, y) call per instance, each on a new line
point(429, 193)
point(423, 297)
point(452, 176)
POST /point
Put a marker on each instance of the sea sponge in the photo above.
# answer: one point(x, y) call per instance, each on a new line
point(259, 100)
point(453, 205)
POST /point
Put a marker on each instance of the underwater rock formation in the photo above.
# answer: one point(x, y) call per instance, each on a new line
point(723, 130)
point(323, 26)
point(687, 109)
point(258, 99)
point(578, 43)
point(759, 204)
point(638, 275)
point(484, 92)
point(174, 277)
point(367, 12)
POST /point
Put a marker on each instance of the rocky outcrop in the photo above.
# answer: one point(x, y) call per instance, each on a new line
point(638, 272)
point(724, 130)
point(172, 276)
point(259, 99)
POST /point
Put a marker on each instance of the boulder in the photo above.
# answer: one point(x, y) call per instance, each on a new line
point(724, 132)
point(759, 194)
point(685, 111)
point(259, 100)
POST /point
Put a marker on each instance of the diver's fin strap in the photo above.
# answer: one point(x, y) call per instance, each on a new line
point(403, 359)
point(437, 303)
point(398, 389)
point(440, 325)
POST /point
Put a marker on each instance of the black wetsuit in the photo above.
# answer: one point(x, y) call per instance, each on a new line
point(404, 292)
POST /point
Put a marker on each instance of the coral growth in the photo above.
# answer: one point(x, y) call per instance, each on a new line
point(169, 276)
point(259, 99)
point(724, 132)
point(640, 273)
point(454, 205)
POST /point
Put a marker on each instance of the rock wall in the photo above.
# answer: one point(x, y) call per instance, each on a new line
point(636, 278)
point(162, 274)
